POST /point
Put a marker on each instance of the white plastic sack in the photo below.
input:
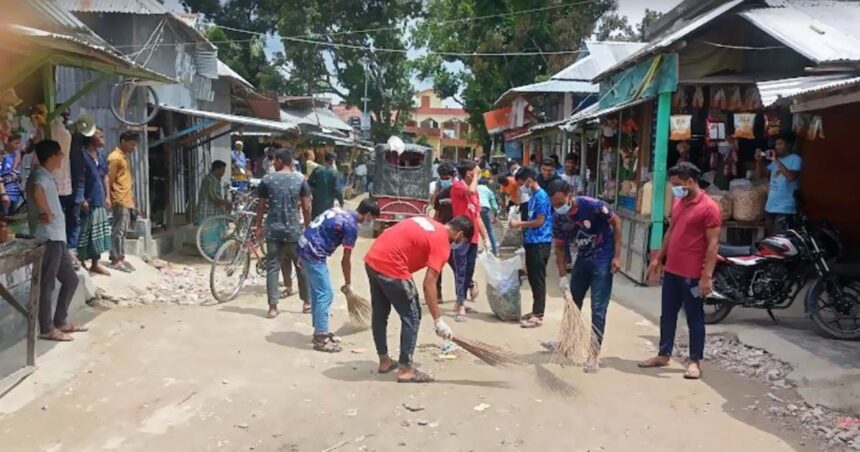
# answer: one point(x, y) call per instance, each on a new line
point(503, 284)
point(511, 238)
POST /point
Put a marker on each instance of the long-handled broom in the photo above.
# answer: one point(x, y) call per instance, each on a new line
point(575, 343)
point(491, 354)
point(360, 311)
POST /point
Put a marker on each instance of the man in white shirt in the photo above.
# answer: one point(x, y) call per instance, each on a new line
point(571, 174)
point(361, 175)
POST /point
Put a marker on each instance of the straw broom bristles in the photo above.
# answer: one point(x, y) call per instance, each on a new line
point(490, 354)
point(360, 311)
point(574, 340)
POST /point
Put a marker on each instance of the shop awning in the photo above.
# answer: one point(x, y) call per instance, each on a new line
point(549, 86)
point(608, 111)
point(584, 115)
point(774, 91)
point(322, 118)
point(337, 139)
point(70, 51)
point(279, 126)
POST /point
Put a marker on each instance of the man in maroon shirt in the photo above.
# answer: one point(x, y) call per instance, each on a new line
point(690, 253)
point(465, 201)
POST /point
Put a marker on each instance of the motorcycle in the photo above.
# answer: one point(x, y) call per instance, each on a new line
point(771, 274)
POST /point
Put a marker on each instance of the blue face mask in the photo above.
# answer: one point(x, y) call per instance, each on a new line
point(563, 210)
point(445, 183)
point(680, 192)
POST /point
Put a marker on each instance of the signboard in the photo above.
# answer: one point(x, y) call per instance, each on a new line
point(365, 121)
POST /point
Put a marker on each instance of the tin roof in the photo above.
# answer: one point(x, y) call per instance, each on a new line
point(824, 31)
point(115, 6)
point(52, 17)
point(601, 56)
point(226, 71)
point(775, 91)
point(267, 124)
point(679, 30)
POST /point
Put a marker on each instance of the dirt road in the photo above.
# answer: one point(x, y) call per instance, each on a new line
point(183, 378)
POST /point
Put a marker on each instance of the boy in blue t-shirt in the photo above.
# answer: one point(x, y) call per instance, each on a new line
point(537, 239)
point(331, 229)
point(591, 227)
point(784, 171)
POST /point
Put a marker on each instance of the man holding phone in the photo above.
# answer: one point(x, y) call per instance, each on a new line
point(690, 254)
point(784, 172)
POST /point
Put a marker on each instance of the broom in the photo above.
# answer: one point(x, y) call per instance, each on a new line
point(490, 354)
point(574, 343)
point(359, 309)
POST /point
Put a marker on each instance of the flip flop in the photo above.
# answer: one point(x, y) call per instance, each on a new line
point(690, 374)
point(306, 310)
point(326, 344)
point(533, 322)
point(527, 316)
point(651, 363)
point(272, 314)
point(392, 366)
point(57, 336)
point(460, 318)
point(418, 377)
point(73, 328)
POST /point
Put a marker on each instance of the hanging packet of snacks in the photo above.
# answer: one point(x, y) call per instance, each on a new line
point(629, 126)
point(816, 128)
point(799, 121)
point(610, 128)
point(699, 98)
point(679, 99)
point(744, 123)
point(716, 129)
point(681, 127)
point(718, 99)
point(752, 99)
point(735, 102)
point(773, 123)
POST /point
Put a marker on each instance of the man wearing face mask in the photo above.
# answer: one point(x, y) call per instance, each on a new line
point(403, 249)
point(331, 229)
point(590, 225)
point(466, 201)
point(690, 254)
point(537, 240)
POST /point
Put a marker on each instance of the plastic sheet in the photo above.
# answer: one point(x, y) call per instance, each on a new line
point(503, 284)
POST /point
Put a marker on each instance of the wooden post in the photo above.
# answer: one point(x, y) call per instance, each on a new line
point(35, 292)
point(48, 93)
point(661, 150)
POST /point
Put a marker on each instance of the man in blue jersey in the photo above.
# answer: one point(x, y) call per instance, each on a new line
point(333, 228)
point(594, 230)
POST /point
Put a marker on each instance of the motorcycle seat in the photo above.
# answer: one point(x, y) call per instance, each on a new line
point(736, 251)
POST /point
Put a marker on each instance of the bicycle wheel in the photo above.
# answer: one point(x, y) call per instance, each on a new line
point(212, 233)
point(229, 270)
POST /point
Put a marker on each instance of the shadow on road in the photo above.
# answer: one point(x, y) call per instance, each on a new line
point(629, 366)
point(290, 339)
point(357, 371)
point(259, 312)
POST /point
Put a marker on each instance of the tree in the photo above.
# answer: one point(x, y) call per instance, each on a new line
point(617, 28)
point(559, 26)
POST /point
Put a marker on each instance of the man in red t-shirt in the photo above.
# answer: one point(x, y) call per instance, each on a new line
point(690, 253)
point(400, 251)
point(465, 201)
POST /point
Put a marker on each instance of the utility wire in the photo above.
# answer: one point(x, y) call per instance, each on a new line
point(432, 52)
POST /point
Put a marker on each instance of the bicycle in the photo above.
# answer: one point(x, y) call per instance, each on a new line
point(232, 262)
point(215, 230)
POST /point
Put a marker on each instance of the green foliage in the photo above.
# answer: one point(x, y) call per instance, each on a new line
point(486, 78)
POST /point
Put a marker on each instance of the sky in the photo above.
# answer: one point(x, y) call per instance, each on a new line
point(633, 9)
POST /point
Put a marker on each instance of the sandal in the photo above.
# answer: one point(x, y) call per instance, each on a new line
point(324, 343)
point(57, 336)
point(288, 292)
point(533, 322)
point(118, 266)
point(527, 316)
point(273, 312)
point(128, 267)
point(693, 374)
point(460, 318)
point(73, 328)
point(417, 377)
point(654, 362)
point(334, 338)
point(306, 309)
point(392, 365)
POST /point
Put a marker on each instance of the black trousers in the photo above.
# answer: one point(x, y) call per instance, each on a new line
point(537, 257)
point(386, 292)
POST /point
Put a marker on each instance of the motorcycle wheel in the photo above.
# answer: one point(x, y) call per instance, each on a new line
point(827, 318)
point(717, 311)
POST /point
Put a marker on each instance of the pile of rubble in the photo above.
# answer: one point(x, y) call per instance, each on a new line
point(838, 431)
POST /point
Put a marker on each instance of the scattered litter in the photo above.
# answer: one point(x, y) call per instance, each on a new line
point(422, 422)
point(413, 405)
point(242, 426)
point(405, 423)
point(448, 347)
point(358, 351)
point(351, 412)
point(847, 422)
point(481, 407)
point(773, 397)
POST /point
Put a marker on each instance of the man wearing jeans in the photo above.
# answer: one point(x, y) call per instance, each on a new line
point(590, 226)
point(121, 187)
point(465, 201)
point(403, 249)
point(49, 227)
point(537, 240)
point(283, 193)
point(690, 253)
point(333, 228)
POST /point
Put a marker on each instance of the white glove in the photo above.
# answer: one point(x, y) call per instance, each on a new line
point(487, 246)
point(564, 283)
point(443, 330)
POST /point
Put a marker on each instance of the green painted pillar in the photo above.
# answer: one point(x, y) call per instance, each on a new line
point(661, 150)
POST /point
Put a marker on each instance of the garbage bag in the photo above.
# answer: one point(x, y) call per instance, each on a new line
point(511, 238)
point(503, 284)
